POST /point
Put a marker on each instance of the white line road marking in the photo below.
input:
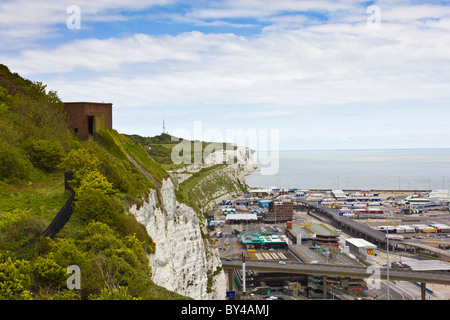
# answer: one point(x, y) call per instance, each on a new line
point(274, 255)
point(266, 255)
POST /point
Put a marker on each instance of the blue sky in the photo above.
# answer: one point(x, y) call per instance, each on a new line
point(322, 74)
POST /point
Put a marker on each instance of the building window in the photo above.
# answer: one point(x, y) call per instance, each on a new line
point(75, 130)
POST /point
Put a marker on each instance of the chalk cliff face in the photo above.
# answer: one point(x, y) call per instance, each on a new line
point(223, 184)
point(185, 261)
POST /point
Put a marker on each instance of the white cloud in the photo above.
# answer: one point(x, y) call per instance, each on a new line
point(297, 68)
point(22, 22)
point(327, 64)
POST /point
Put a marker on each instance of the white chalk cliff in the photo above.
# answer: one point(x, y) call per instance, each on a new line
point(184, 261)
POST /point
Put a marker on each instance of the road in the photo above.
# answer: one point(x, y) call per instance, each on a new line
point(334, 270)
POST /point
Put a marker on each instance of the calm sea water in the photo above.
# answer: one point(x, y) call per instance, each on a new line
point(405, 169)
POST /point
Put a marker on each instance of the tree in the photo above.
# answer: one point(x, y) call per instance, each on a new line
point(45, 154)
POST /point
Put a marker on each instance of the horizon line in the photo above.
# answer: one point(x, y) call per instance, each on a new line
point(357, 149)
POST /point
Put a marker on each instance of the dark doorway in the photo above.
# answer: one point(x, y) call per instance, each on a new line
point(90, 120)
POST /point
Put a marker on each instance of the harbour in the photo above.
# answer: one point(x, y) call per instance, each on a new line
point(325, 230)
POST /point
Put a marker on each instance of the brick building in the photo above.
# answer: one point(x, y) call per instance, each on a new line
point(84, 119)
point(279, 210)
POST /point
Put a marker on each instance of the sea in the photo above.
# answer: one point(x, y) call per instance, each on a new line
point(400, 169)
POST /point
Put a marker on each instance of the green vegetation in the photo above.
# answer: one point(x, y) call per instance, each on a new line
point(44, 154)
point(185, 189)
point(107, 243)
point(202, 187)
point(161, 147)
point(198, 190)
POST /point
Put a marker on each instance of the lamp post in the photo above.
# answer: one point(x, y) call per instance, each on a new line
point(243, 272)
point(387, 260)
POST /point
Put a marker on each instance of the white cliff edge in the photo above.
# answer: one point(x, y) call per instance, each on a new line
point(183, 260)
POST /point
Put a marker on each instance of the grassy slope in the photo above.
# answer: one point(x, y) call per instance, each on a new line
point(43, 198)
point(199, 189)
point(41, 194)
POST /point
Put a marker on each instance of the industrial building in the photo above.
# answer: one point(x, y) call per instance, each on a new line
point(258, 241)
point(259, 193)
point(241, 218)
point(313, 233)
point(339, 195)
point(280, 211)
point(361, 247)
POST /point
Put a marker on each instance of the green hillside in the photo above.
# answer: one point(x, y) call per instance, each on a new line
point(109, 246)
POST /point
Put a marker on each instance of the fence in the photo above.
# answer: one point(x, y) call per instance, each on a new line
point(60, 219)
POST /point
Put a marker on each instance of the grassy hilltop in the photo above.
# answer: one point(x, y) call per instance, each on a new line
point(108, 245)
point(204, 186)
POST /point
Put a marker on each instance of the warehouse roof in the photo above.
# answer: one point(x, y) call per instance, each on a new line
point(360, 243)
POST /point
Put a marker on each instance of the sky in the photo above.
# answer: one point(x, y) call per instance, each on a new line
point(286, 74)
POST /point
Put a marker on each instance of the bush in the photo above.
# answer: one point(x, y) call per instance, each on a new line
point(94, 205)
point(13, 165)
point(15, 280)
point(128, 225)
point(19, 228)
point(45, 154)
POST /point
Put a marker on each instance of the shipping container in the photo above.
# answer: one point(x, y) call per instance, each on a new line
point(375, 211)
point(387, 229)
point(394, 237)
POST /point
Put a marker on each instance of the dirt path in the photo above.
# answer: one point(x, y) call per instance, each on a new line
point(151, 178)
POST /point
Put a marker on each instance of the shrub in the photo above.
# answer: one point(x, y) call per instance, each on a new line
point(44, 154)
point(18, 228)
point(48, 276)
point(115, 294)
point(13, 165)
point(94, 180)
point(15, 280)
point(94, 205)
